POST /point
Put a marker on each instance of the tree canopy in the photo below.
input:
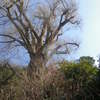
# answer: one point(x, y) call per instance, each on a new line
point(36, 27)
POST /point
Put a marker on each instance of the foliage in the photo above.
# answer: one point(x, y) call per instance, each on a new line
point(10, 84)
point(82, 78)
point(87, 59)
point(71, 80)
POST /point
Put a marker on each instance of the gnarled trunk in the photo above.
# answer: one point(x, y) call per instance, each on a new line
point(36, 66)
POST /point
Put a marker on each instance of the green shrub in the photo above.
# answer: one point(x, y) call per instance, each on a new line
point(81, 78)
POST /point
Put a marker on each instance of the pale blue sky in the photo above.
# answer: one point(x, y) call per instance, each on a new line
point(90, 33)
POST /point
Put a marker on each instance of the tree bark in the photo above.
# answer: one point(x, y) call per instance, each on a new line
point(36, 66)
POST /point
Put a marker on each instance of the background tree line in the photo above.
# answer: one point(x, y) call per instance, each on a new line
point(78, 80)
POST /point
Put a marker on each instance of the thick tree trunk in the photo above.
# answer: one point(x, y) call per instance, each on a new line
point(36, 66)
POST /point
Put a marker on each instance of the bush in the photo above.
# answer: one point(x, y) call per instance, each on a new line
point(81, 79)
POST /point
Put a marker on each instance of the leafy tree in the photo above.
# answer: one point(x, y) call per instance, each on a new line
point(87, 59)
point(81, 78)
point(37, 32)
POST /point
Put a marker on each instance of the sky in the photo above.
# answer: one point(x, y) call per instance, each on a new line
point(90, 13)
point(89, 32)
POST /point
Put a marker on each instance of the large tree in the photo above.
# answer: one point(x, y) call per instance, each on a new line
point(37, 26)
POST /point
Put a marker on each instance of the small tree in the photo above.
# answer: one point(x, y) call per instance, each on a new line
point(81, 80)
point(87, 59)
point(38, 31)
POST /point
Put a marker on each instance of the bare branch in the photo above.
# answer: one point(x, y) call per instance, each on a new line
point(55, 51)
point(13, 39)
point(31, 26)
point(41, 29)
